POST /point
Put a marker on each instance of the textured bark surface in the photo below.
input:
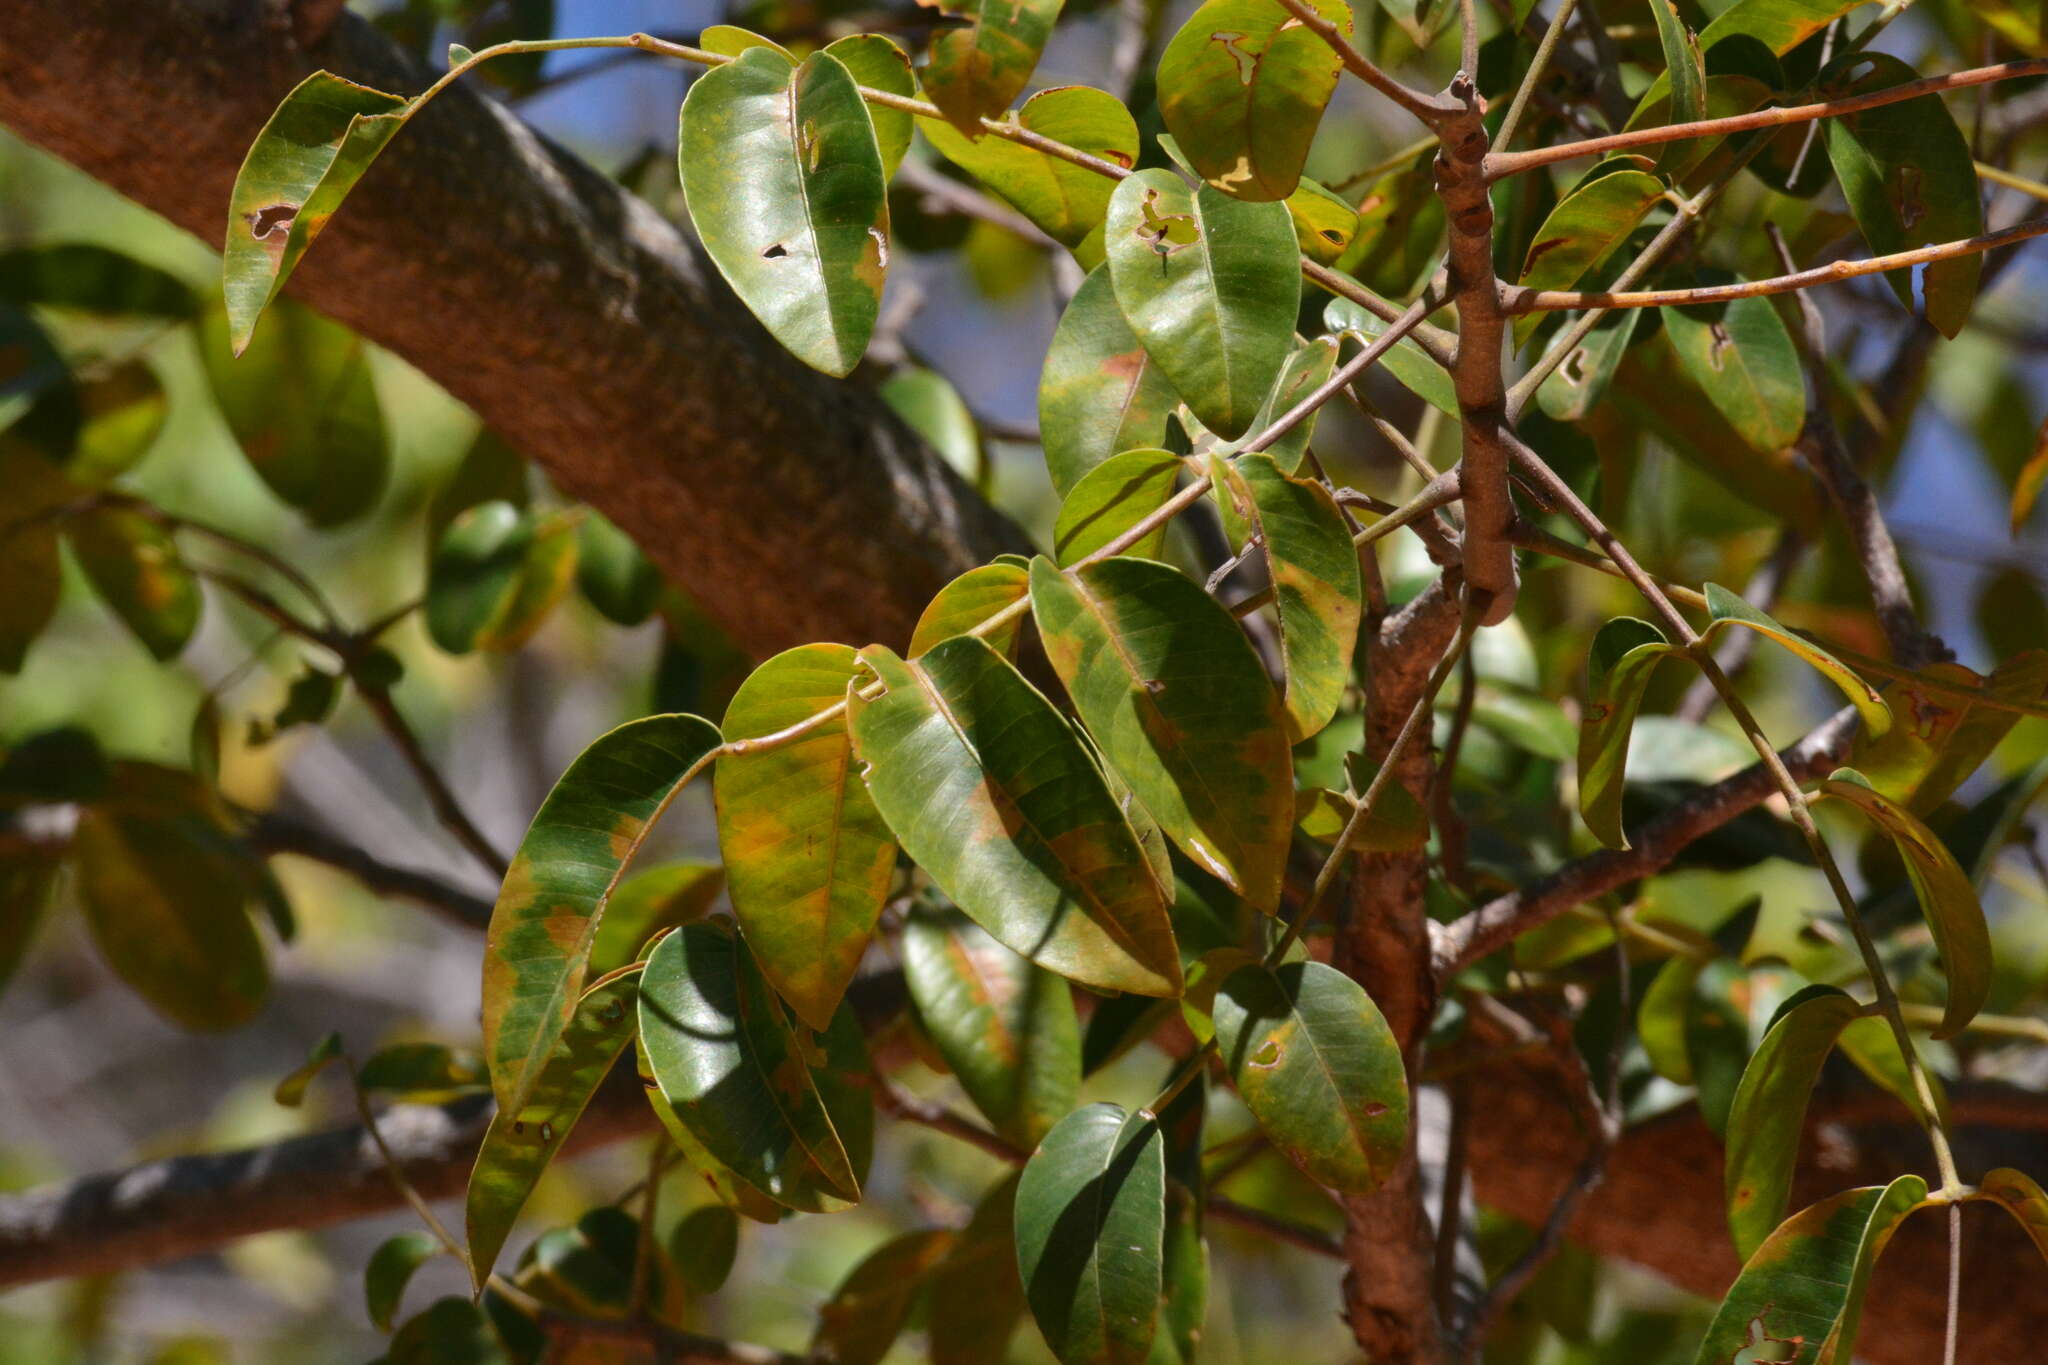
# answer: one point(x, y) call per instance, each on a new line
point(577, 322)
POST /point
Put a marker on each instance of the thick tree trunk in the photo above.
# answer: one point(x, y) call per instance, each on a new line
point(577, 322)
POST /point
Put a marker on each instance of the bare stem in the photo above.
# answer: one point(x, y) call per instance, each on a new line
point(1430, 109)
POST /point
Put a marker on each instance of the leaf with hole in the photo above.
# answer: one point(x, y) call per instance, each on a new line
point(1210, 285)
point(1325, 223)
point(1742, 358)
point(974, 72)
point(993, 795)
point(1182, 709)
point(1101, 392)
point(1112, 498)
point(784, 177)
point(1625, 653)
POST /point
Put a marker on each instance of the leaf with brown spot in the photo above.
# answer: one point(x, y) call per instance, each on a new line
point(2021, 1196)
point(1100, 393)
point(973, 73)
point(1725, 610)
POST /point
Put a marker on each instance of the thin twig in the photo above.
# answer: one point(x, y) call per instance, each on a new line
point(1430, 109)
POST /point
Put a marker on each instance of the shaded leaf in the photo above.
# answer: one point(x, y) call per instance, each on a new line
point(2022, 1197)
point(977, 1295)
point(1725, 609)
point(1243, 86)
point(1664, 1013)
point(973, 73)
point(26, 878)
point(2027, 484)
point(1100, 392)
point(972, 598)
point(291, 1091)
point(568, 864)
point(92, 279)
point(452, 1331)
point(868, 1310)
point(613, 574)
point(1006, 1029)
point(1177, 699)
point(1090, 1220)
point(390, 1269)
point(703, 1246)
point(1582, 231)
point(496, 575)
point(1625, 652)
point(423, 1072)
point(489, 471)
point(134, 565)
point(1210, 285)
point(784, 178)
point(1769, 1114)
point(121, 412)
point(1313, 1059)
point(1113, 497)
point(648, 902)
point(993, 795)
point(734, 1194)
point(1717, 1037)
point(808, 856)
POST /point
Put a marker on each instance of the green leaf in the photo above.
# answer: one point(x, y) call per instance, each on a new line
point(490, 471)
point(92, 279)
point(1583, 231)
point(1804, 1286)
point(390, 1270)
point(1066, 201)
point(807, 854)
point(1421, 20)
point(703, 1246)
point(1315, 1062)
point(648, 902)
point(875, 61)
point(588, 1269)
point(1100, 392)
point(1211, 286)
point(1742, 358)
point(302, 406)
point(1624, 654)
point(1693, 161)
point(935, 411)
point(977, 1295)
point(1317, 593)
point(2022, 1197)
point(728, 40)
point(972, 598)
point(452, 1331)
point(1769, 1114)
point(525, 1136)
point(1717, 1037)
point(974, 72)
point(1242, 88)
point(1113, 497)
point(310, 154)
point(1405, 359)
point(868, 1310)
point(1906, 171)
point(734, 1194)
point(613, 574)
point(1006, 1028)
point(784, 178)
point(1684, 68)
point(121, 413)
point(134, 565)
point(790, 1117)
point(1177, 699)
point(423, 1072)
point(1325, 223)
point(546, 918)
point(496, 574)
point(1947, 898)
point(291, 1091)
point(1397, 824)
point(1725, 609)
point(1307, 368)
point(1663, 1015)
point(993, 795)
point(1091, 1218)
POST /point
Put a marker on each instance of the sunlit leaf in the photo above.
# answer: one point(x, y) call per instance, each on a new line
point(1742, 358)
point(784, 178)
point(1243, 86)
point(1210, 285)
point(1624, 654)
point(876, 62)
point(1405, 359)
point(390, 1269)
point(2022, 1197)
point(1091, 1214)
point(1113, 497)
point(1315, 1062)
point(1947, 898)
point(868, 1310)
point(1584, 230)
point(134, 565)
point(934, 409)
point(1181, 708)
point(1726, 610)
point(807, 854)
point(1325, 223)
point(1006, 1028)
point(1684, 67)
point(1313, 568)
point(1804, 1287)
point(974, 72)
point(1100, 392)
point(992, 794)
point(1397, 824)
point(310, 154)
point(541, 931)
point(972, 598)
point(1307, 368)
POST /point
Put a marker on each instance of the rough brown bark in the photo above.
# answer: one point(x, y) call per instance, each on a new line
point(575, 320)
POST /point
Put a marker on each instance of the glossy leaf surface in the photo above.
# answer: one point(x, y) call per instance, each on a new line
point(1066, 201)
point(974, 72)
point(1725, 610)
point(1113, 497)
point(1625, 652)
point(972, 598)
point(876, 62)
point(1101, 393)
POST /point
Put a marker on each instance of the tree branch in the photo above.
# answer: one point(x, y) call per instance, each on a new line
point(274, 833)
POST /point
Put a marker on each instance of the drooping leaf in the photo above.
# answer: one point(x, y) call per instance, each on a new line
point(977, 1296)
point(1306, 370)
point(496, 575)
point(92, 279)
point(1101, 392)
point(991, 793)
point(1181, 708)
point(1325, 223)
point(876, 62)
point(1871, 1048)
point(1405, 359)
point(1921, 765)
point(1317, 593)
point(135, 567)
point(1210, 285)
point(2021, 1196)
point(588, 1269)
point(974, 72)
point(2029, 481)
point(1113, 497)
point(1906, 171)
point(451, 1331)
point(1066, 201)
point(1091, 1214)
point(1684, 66)
point(423, 1072)
point(390, 1269)
point(291, 1091)
point(1582, 231)
point(524, 1137)
point(972, 598)
point(1742, 358)
point(788, 1116)
point(1313, 1059)
point(868, 1310)
point(807, 854)
point(1663, 1014)
point(1804, 1286)
point(1694, 162)
point(784, 178)
point(1624, 654)
point(703, 1246)
point(614, 575)
point(733, 1192)
point(489, 471)
point(1947, 898)
point(648, 902)
point(1726, 610)
point(302, 406)
point(310, 154)
point(1242, 88)
point(1006, 1028)
point(546, 918)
